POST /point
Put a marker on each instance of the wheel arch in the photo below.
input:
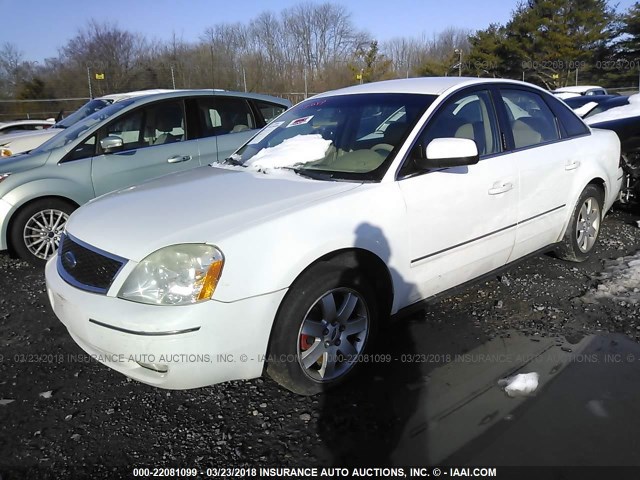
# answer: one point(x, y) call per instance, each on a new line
point(357, 258)
point(601, 184)
point(27, 204)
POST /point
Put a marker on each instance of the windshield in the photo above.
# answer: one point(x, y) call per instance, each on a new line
point(83, 112)
point(341, 137)
point(73, 132)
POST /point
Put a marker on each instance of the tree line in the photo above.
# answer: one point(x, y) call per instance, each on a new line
point(314, 47)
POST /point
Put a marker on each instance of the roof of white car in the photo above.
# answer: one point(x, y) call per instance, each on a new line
point(578, 89)
point(27, 122)
point(424, 85)
point(138, 93)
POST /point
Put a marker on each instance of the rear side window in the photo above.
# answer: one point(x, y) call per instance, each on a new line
point(570, 124)
point(269, 110)
point(221, 116)
point(532, 121)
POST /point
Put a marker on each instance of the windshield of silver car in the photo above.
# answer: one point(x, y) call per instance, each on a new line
point(83, 112)
point(340, 137)
point(72, 133)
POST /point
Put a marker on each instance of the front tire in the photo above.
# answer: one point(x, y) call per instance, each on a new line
point(584, 226)
point(325, 323)
point(36, 230)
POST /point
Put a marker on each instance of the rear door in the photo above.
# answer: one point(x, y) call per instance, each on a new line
point(546, 166)
point(155, 143)
point(226, 123)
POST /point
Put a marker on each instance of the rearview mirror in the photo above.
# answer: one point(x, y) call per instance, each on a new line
point(446, 152)
point(111, 143)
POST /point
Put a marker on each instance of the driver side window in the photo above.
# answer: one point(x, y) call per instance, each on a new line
point(156, 124)
point(470, 116)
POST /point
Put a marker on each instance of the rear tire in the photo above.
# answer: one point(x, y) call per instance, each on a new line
point(325, 323)
point(36, 229)
point(584, 226)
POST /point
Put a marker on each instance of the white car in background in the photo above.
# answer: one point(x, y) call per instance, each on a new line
point(20, 142)
point(576, 91)
point(289, 254)
point(17, 126)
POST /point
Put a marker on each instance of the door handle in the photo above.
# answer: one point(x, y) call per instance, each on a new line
point(572, 165)
point(179, 158)
point(499, 188)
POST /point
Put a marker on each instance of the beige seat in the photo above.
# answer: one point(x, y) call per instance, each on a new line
point(473, 131)
point(524, 135)
point(167, 122)
point(239, 128)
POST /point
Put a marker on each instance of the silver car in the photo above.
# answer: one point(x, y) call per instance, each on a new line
point(120, 145)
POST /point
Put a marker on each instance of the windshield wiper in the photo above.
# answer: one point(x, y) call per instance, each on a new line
point(303, 172)
point(233, 160)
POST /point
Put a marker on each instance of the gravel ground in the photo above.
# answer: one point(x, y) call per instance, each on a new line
point(64, 415)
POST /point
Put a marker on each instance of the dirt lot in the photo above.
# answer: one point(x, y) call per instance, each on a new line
point(65, 415)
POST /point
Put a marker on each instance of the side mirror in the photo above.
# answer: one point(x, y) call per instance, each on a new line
point(446, 152)
point(111, 144)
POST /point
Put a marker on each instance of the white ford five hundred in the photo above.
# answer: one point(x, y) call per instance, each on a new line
point(348, 208)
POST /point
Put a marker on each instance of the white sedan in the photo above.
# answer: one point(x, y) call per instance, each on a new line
point(17, 126)
point(355, 205)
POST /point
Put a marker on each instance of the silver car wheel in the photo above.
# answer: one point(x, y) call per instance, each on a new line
point(42, 232)
point(588, 224)
point(333, 334)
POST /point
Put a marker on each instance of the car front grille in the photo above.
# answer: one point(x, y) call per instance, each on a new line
point(86, 267)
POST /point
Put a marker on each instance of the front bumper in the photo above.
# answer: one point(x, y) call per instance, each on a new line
point(198, 345)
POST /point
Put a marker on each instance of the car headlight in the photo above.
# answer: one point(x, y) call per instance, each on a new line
point(5, 152)
point(175, 275)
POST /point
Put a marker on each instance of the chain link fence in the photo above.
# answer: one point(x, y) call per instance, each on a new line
point(39, 109)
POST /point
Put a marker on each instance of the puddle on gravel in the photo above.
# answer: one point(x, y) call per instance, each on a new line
point(451, 407)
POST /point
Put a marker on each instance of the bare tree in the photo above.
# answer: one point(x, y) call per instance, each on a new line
point(104, 48)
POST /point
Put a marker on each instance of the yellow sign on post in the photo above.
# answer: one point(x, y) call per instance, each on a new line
point(555, 76)
point(99, 76)
point(358, 76)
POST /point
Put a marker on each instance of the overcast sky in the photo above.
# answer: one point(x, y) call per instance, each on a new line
point(39, 27)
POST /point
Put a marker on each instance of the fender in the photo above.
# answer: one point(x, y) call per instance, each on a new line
point(41, 188)
point(293, 250)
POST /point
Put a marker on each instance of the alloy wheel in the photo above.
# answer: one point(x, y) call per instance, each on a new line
point(333, 334)
point(42, 232)
point(588, 224)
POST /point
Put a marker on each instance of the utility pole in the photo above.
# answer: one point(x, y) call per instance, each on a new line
point(89, 81)
point(213, 83)
point(459, 52)
point(173, 78)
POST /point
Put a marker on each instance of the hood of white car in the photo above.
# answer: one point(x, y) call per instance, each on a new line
point(196, 206)
point(24, 141)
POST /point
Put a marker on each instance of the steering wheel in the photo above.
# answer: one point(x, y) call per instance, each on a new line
point(385, 147)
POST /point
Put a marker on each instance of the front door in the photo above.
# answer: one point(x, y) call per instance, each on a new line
point(154, 144)
point(461, 219)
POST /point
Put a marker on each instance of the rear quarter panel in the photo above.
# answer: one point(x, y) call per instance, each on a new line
point(599, 162)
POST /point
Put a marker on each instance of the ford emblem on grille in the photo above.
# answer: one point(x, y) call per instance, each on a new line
point(70, 261)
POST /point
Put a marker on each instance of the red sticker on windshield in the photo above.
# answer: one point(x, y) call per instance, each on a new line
point(300, 121)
